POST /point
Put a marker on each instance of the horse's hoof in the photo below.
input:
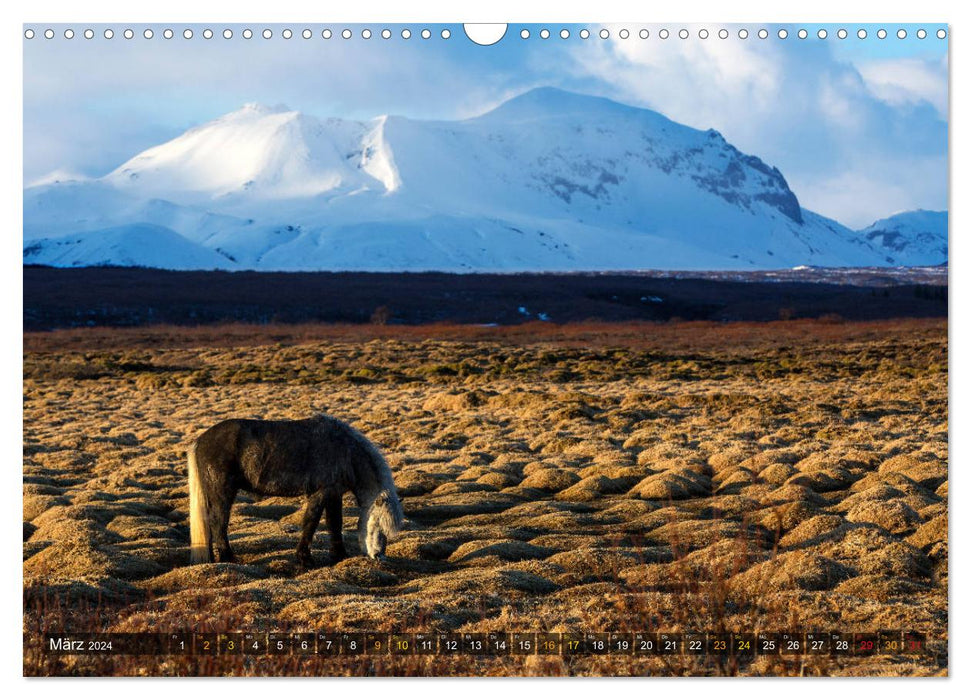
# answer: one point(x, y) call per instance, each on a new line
point(306, 561)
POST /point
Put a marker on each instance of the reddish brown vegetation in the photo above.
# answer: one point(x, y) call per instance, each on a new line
point(674, 335)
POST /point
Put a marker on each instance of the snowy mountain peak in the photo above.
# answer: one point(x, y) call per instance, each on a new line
point(259, 109)
point(550, 102)
point(604, 133)
point(916, 237)
point(58, 176)
point(254, 153)
point(377, 158)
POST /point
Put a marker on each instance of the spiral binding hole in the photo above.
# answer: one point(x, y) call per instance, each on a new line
point(148, 33)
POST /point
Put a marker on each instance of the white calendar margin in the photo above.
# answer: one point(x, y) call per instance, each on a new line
point(761, 11)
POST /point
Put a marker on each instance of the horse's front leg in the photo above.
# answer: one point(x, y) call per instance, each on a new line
point(311, 519)
point(335, 523)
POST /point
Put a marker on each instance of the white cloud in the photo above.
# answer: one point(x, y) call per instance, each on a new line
point(704, 84)
point(839, 101)
point(907, 81)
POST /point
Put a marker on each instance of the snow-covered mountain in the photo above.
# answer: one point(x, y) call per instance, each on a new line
point(549, 180)
point(910, 238)
point(134, 245)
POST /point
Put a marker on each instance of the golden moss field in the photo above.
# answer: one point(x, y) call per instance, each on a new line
point(589, 478)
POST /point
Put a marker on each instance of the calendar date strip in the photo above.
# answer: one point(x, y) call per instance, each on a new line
point(491, 643)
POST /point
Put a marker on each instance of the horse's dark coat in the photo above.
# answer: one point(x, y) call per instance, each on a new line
point(319, 457)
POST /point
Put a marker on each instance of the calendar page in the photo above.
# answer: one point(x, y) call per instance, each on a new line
point(417, 349)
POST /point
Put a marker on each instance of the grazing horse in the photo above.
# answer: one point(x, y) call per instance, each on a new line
point(320, 457)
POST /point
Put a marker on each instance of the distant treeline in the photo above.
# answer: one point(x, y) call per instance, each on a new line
point(118, 296)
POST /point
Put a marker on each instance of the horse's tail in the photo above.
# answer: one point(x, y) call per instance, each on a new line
point(200, 538)
point(383, 517)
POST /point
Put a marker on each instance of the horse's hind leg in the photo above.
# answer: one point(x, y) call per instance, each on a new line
point(311, 518)
point(221, 501)
point(335, 523)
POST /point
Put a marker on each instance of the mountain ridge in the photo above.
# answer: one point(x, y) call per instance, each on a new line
point(549, 180)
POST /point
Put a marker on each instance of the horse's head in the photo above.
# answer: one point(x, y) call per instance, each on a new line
point(382, 521)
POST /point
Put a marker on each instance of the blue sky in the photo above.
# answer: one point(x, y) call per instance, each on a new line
point(858, 127)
